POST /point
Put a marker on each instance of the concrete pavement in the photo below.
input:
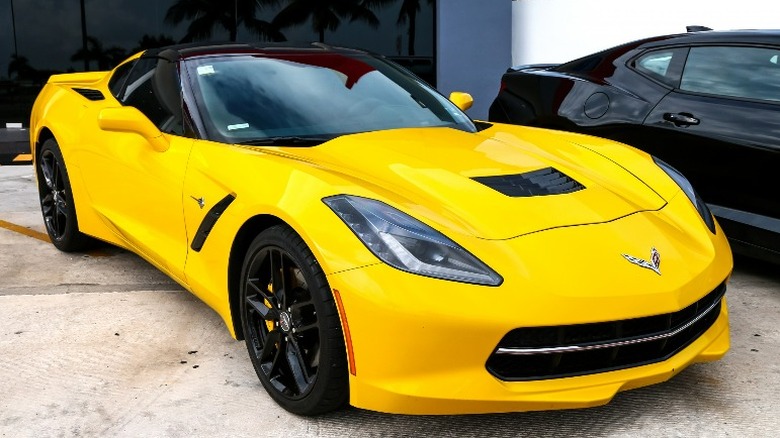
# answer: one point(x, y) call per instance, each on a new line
point(101, 344)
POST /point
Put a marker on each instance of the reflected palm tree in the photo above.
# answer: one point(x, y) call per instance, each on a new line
point(20, 66)
point(84, 36)
point(407, 13)
point(106, 58)
point(409, 10)
point(324, 14)
point(207, 15)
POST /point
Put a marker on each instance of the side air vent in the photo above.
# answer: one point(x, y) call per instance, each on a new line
point(90, 93)
point(209, 221)
point(547, 181)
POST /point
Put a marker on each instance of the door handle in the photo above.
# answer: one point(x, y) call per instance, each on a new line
point(681, 119)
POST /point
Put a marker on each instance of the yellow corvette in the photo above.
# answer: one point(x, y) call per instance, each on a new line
point(375, 246)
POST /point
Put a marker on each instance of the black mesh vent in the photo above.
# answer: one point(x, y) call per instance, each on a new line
point(547, 181)
point(587, 361)
point(90, 93)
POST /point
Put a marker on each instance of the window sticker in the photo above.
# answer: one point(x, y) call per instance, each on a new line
point(204, 70)
point(238, 126)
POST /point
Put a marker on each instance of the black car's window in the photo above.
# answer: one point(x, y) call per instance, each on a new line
point(244, 98)
point(662, 65)
point(119, 78)
point(746, 72)
point(153, 87)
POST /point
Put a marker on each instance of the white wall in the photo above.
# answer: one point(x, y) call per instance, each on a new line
point(473, 48)
point(561, 30)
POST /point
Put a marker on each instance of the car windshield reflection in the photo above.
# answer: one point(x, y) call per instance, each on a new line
point(246, 99)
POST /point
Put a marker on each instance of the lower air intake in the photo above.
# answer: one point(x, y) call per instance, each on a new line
point(537, 353)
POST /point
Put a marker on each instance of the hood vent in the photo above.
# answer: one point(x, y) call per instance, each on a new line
point(547, 181)
point(90, 93)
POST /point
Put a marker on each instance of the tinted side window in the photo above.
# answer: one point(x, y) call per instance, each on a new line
point(119, 78)
point(662, 65)
point(157, 96)
point(746, 72)
point(142, 67)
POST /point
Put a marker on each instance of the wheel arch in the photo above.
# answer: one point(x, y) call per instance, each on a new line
point(44, 134)
point(64, 137)
point(253, 219)
point(243, 238)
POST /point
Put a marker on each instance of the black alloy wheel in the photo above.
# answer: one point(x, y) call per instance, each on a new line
point(59, 212)
point(291, 325)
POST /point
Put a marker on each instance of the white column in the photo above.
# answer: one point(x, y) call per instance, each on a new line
point(554, 31)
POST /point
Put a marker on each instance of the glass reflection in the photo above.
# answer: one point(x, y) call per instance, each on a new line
point(746, 72)
point(320, 94)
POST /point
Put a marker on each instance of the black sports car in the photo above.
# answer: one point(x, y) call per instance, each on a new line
point(706, 102)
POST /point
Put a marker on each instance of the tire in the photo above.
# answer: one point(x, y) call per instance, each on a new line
point(291, 325)
point(56, 197)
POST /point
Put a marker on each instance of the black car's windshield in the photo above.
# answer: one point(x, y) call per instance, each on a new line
point(248, 98)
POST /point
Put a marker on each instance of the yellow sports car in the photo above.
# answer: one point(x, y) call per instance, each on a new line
point(375, 246)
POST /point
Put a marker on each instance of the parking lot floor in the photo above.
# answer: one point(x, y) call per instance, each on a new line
point(102, 344)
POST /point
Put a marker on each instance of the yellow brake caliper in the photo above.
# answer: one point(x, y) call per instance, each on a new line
point(269, 324)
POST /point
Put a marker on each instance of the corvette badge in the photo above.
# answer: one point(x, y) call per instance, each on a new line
point(201, 202)
point(654, 264)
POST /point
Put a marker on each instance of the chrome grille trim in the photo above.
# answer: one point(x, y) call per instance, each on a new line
point(587, 347)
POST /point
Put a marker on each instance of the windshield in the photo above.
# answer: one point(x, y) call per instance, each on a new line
point(249, 98)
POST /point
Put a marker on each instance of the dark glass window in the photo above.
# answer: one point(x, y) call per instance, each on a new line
point(119, 78)
point(662, 65)
point(745, 72)
point(406, 34)
point(245, 98)
point(142, 67)
point(157, 94)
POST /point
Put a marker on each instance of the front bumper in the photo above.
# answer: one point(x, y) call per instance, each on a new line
point(414, 362)
point(420, 345)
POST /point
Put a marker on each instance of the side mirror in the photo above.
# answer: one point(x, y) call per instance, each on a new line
point(461, 100)
point(129, 119)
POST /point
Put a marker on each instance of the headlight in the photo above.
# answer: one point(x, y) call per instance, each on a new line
point(687, 188)
point(405, 243)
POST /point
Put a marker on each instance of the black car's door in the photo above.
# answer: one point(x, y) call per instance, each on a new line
point(721, 128)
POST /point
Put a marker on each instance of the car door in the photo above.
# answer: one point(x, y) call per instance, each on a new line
point(720, 128)
point(136, 188)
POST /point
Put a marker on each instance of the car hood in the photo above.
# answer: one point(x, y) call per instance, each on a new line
point(430, 173)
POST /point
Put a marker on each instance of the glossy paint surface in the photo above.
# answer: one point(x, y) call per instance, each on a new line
point(417, 345)
point(728, 146)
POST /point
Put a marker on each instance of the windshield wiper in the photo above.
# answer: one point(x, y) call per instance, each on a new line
point(285, 141)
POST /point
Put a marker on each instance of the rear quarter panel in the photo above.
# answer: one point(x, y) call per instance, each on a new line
point(71, 119)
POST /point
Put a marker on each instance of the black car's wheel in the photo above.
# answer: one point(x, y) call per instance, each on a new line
point(59, 211)
point(291, 325)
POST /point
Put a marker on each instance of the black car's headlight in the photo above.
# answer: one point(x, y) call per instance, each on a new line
point(687, 188)
point(405, 243)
